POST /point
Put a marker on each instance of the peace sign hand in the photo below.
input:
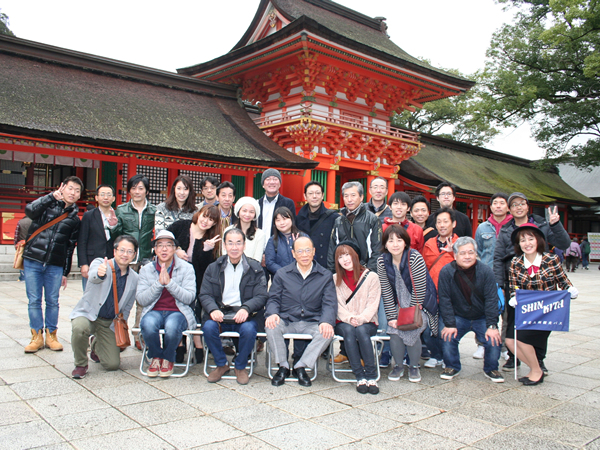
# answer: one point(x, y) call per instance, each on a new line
point(209, 244)
point(553, 215)
point(58, 194)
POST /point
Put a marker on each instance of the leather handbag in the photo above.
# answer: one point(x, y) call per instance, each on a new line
point(20, 250)
point(120, 324)
point(409, 318)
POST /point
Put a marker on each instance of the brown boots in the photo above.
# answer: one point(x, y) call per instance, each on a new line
point(52, 342)
point(37, 341)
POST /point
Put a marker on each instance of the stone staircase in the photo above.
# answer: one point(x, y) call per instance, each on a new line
point(7, 273)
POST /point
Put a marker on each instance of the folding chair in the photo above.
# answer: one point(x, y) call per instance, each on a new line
point(376, 342)
point(271, 370)
point(145, 362)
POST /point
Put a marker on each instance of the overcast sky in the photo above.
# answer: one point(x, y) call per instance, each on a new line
point(181, 33)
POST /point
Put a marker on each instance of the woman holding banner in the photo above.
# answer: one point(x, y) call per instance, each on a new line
point(532, 269)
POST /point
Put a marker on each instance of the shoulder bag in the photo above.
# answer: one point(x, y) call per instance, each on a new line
point(409, 318)
point(120, 324)
point(18, 262)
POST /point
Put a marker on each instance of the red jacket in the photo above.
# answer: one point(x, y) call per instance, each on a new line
point(414, 231)
point(431, 254)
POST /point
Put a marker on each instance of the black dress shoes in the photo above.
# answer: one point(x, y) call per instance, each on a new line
point(280, 376)
point(303, 378)
point(529, 382)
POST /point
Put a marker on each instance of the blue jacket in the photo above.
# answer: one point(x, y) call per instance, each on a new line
point(275, 259)
point(294, 298)
point(320, 234)
point(485, 236)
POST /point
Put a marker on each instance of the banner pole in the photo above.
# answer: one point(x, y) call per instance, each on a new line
point(516, 356)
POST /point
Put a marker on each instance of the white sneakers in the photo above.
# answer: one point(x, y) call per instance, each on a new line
point(479, 353)
point(432, 363)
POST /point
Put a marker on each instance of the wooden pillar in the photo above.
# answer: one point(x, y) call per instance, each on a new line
point(225, 177)
point(330, 188)
point(474, 222)
point(131, 170)
point(249, 183)
point(391, 187)
point(368, 194)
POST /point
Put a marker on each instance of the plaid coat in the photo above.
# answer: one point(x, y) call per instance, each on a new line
point(550, 276)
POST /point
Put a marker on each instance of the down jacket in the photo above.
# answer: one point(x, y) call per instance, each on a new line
point(53, 246)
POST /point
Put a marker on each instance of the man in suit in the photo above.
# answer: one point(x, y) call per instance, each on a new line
point(95, 240)
point(93, 317)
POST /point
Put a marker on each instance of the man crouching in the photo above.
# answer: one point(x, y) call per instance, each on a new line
point(94, 313)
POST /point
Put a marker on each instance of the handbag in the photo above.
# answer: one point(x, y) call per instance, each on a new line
point(20, 250)
point(119, 322)
point(410, 318)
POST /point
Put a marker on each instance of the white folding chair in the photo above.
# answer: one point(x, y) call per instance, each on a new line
point(145, 362)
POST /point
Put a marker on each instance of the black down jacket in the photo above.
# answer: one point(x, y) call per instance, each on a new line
point(54, 245)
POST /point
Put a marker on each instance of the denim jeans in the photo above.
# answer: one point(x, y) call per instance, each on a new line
point(173, 322)
point(47, 279)
point(84, 281)
point(434, 343)
point(247, 331)
point(451, 354)
point(357, 341)
point(383, 324)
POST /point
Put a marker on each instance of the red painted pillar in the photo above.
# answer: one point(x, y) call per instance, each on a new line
point(369, 179)
point(330, 188)
point(249, 183)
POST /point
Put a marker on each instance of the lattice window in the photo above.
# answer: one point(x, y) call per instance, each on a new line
point(158, 177)
point(197, 177)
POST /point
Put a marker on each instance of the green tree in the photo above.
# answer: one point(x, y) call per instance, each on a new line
point(4, 25)
point(545, 69)
point(454, 118)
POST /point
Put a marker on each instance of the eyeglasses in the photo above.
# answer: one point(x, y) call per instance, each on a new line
point(105, 195)
point(303, 251)
point(234, 244)
point(161, 246)
point(123, 251)
point(518, 205)
point(445, 194)
point(467, 252)
point(209, 188)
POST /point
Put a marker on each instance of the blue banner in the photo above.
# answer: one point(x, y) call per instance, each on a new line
point(542, 310)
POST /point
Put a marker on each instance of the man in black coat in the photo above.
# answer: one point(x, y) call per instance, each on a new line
point(47, 258)
point(469, 302)
point(234, 290)
point(445, 194)
point(316, 220)
point(95, 240)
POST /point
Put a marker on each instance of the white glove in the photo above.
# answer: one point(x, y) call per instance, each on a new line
point(574, 292)
point(513, 301)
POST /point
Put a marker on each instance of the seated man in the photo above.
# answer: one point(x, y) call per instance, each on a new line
point(166, 289)
point(93, 317)
point(302, 300)
point(234, 290)
point(469, 302)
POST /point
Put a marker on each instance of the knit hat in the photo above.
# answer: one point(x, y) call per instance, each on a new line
point(270, 173)
point(247, 201)
point(350, 244)
point(517, 195)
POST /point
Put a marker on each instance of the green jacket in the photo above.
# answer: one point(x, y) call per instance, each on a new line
point(129, 221)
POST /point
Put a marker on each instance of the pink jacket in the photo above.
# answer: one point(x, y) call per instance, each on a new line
point(364, 304)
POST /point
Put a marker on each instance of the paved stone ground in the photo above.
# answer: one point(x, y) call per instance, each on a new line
point(42, 407)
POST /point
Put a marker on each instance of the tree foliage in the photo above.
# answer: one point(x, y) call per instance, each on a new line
point(4, 25)
point(545, 69)
point(453, 118)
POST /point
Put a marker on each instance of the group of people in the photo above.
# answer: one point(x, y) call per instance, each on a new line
point(250, 266)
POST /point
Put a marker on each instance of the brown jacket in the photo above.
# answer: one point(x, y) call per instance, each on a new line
point(364, 304)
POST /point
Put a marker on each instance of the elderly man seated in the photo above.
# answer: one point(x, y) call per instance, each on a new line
point(234, 290)
point(94, 313)
point(468, 297)
point(302, 300)
point(166, 289)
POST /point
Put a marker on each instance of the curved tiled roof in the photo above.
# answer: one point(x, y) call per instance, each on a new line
point(80, 98)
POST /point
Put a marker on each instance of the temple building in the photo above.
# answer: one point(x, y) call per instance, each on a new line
point(309, 89)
